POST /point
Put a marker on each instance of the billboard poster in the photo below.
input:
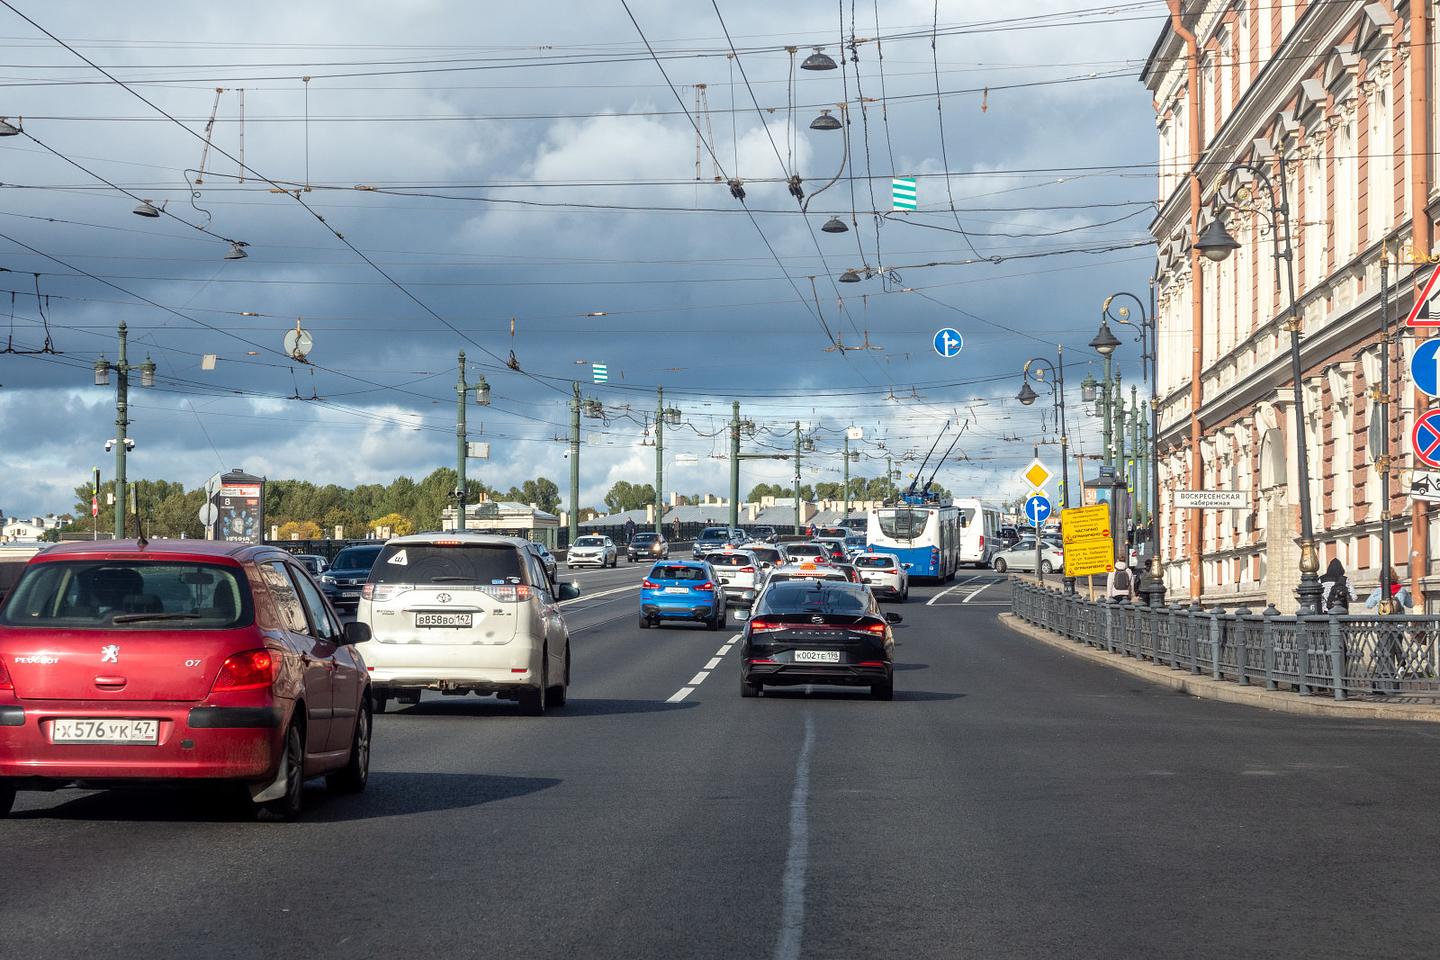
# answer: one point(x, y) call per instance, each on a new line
point(239, 507)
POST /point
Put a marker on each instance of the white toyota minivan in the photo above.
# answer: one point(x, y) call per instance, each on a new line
point(463, 612)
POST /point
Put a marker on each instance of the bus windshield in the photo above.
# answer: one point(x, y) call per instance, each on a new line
point(903, 523)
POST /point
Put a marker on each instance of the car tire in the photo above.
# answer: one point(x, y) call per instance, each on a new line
point(532, 699)
point(999, 565)
point(7, 799)
point(1046, 566)
point(644, 622)
point(883, 691)
point(748, 689)
point(556, 696)
point(288, 807)
point(717, 620)
point(353, 777)
point(905, 596)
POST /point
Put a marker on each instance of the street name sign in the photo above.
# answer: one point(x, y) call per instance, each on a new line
point(1424, 486)
point(1037, 508)
point(1425, 438)
point(1425, 313)
point(1425, 367)
point(1089, 548)
point(948, 342)
point(1211, 500)
point(1036, 474)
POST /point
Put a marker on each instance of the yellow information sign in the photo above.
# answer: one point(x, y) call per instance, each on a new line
point(1089, 548)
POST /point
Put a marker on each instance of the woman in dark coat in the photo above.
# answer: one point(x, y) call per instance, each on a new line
point(1337, 588)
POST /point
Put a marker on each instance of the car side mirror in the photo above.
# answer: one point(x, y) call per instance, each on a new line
point(907, 566)
point(893, 618)
point(569, 590)
point(356, 632)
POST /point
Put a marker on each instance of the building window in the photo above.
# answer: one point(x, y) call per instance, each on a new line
point(1380, 179)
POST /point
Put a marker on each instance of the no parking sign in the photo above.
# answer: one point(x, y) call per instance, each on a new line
point(1425, 438)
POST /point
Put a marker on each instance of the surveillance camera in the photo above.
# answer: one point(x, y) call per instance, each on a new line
point(109, 445)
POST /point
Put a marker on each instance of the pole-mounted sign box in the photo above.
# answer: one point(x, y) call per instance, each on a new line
point(237, 500)
point(1211, 500)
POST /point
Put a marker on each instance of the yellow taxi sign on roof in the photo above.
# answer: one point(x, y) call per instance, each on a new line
point(1036, 474)
point(808, 566)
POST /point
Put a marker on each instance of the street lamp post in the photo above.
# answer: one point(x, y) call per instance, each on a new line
point(1035, 369)
point(1153, 585)
point(122, 369)
point(1217, 244)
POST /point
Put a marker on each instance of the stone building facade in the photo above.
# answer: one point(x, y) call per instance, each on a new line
point(1337, 97)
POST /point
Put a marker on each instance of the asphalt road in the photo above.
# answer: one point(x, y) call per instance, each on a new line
point(1011, 802)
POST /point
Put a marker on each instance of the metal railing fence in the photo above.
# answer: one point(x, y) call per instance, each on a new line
point(1344, 656)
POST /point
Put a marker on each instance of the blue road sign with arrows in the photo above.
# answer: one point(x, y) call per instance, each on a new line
point(1425, 367)
point(949, 343)
point(1037, 508)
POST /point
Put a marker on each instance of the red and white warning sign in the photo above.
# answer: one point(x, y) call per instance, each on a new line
point(1426, 312)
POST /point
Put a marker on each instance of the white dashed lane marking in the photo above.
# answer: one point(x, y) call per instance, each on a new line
point(699, 678)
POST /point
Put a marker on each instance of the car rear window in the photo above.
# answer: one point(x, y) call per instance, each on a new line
point(482, 563)
point(797, 596)
point(669, 572)
point(728, 560)
point(356, 558)
point(875, 563)
point(806, 550)
point(129, 594)
point(769, 556)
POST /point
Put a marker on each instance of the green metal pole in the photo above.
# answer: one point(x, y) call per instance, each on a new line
point(575, 464)
point(1135, 454)
point(735, 464)
point(659, 458)
point(889, 478)
point(460, 491)
point(846, 515)
point(122, 420)
point(797, 477)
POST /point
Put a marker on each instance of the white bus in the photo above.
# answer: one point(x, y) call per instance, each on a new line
point(979, 536)
point(923, 535)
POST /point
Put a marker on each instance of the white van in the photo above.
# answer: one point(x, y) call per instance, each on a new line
point(463, 612)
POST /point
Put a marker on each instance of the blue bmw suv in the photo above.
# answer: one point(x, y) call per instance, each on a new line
point(682, 590)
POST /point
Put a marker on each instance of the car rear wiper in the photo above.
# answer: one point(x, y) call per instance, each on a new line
point(138, 617)
point(456, 579)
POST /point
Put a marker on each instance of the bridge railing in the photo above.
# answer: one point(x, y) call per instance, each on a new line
point(1342, 656)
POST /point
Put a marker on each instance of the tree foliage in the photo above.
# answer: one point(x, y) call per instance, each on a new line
point(625, 495)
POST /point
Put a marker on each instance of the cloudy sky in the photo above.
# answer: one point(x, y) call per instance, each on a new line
point(473, 165)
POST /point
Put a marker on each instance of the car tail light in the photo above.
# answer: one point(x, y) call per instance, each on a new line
point(648, 584)
point(982, 541)
point(707, 585)
point(509, 592)
point(5, 682)
point(871, 663)
point(384, 591)
point(877, 629)
point(761, 660)
point(765, 626)
point(251, 670)
point(445, 543)
point(746, 570)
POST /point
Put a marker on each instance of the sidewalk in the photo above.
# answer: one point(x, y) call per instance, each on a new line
point(1227, 690)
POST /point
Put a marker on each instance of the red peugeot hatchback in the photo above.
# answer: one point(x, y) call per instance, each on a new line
point(129, 662)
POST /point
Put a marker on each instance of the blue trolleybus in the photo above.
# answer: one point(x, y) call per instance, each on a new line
point(923, 534)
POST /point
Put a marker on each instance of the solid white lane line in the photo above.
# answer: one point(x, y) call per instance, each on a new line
point(714, 662)
point(976, 592)
point(681, 695)
point(797, 857)
point(593, 596)
point(956, 586)
point(699, 678)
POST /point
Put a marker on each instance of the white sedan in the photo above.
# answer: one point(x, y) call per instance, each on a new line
point(1022, 557)
point(592, 551)
point(884, 574)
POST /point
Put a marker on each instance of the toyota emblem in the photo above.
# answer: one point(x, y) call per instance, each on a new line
point(443, 597)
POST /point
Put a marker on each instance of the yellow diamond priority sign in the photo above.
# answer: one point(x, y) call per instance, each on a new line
point(1037, 475)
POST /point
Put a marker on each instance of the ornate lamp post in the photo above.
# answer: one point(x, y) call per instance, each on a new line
point(1152, 586)
point(1051, 375)
point(1216, 243)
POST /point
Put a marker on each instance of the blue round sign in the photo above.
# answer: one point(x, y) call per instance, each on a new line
point(948, 343)
point(1037, 508)
point(1425, 367)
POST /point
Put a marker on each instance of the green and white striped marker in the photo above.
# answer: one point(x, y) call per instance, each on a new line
point(902, 193)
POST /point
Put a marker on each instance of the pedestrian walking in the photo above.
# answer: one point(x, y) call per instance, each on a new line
point(1120, 584)
point(1399, 593)
point(1337, 595)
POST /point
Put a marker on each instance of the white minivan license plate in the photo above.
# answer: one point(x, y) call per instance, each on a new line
point(145, 733)
point(817, 656)
point(444, 619)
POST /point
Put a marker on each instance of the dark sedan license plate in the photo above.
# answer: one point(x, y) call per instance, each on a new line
point(444, 619)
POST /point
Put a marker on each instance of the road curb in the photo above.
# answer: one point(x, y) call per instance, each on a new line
point(1226, 691)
